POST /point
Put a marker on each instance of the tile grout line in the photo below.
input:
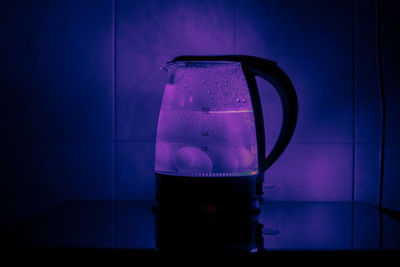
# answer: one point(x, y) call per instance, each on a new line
point(354, 118)
point(354, 96)
point(114, 158)
point(89, 141)
point(234, 26)
point(114, 124)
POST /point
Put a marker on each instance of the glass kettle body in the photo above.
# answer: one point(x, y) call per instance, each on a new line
point(206, 125)
point(210, 133)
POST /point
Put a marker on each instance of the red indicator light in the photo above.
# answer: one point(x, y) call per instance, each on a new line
point(210, 208)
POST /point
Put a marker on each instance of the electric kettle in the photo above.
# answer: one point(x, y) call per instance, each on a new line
point(210, 145)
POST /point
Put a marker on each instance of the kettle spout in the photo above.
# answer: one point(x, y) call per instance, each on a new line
point(167, 67)
point(164, 68)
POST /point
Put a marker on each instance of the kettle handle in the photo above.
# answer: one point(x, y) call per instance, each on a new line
point(254, 66)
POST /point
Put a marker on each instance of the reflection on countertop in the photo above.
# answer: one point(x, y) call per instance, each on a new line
point(279, 226)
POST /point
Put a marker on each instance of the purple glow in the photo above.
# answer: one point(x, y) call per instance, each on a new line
point(206, 125)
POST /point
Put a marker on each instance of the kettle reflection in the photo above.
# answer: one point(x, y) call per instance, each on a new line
point(207, 230)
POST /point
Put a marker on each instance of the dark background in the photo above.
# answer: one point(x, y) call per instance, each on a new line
point(81, 91)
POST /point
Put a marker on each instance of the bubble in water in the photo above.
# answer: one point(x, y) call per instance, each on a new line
point(238, 100)
point(244, 101)
point(245, 158)
point(209, 91)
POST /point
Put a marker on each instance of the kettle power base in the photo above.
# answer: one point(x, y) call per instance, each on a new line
point(207, 194)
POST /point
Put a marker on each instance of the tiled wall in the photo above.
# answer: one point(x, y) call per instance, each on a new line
point(56, 105)
point(81, 91)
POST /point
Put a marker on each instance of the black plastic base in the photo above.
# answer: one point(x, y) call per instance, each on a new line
point(207, 194)
point(196, 214)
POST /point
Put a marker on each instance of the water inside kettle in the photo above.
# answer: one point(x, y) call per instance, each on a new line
point(206, 124)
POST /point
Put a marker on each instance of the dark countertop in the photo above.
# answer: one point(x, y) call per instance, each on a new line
point(280, 226)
